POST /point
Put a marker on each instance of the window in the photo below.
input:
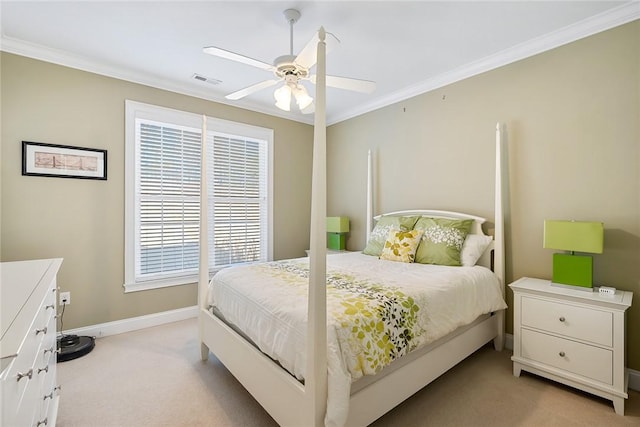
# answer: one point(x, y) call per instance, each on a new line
point(163, 152)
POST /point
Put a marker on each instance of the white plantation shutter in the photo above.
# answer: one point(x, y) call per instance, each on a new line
point(163, 199)
point(238, 187)
point(169, 191)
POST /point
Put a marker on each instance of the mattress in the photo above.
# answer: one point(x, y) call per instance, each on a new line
point(378, 311)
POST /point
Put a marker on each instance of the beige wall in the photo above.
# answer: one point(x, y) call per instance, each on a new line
point(573, 123)
point(82, 221)
point(573, 128)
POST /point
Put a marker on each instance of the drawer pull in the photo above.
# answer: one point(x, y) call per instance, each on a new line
point(561, 354)
point(45, 369)
point(48, 396)
point(562, 319)
point(49, 350)
point(28, 374)
point(43, 330)
point(42, 422)
point(50, 306)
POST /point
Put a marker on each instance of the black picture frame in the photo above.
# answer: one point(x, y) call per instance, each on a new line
point(63, 161)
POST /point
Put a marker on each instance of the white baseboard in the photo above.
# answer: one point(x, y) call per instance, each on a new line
point(634, 379)
point(634, 376)
point(508, 341)
point(135, 323)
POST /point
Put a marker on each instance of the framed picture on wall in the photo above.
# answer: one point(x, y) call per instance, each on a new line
point(63, 161)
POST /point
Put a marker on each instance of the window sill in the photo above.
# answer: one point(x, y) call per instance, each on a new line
point(160, 283)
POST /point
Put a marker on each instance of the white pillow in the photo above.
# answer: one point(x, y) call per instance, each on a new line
point(473, 247)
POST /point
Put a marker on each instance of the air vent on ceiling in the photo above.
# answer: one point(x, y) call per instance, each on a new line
point(206, 79)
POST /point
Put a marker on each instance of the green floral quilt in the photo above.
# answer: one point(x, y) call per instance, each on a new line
point(375, 323)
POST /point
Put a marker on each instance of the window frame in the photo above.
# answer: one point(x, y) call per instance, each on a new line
point(137, 110)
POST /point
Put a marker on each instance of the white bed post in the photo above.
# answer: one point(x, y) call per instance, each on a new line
point(316, 369)
point(499, 253)
point(203, 266)
point(369, 195)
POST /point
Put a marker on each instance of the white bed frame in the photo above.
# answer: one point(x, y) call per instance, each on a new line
point(287, 400)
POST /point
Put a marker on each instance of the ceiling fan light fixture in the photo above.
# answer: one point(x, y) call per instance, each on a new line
point(302, 97)
point(283, 97)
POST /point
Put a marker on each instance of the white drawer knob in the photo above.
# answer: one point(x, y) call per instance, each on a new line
point(43, 330)
point(50, 306)
point(561, 319)
point(42, 422)
point(561, 354)
point(45, 369)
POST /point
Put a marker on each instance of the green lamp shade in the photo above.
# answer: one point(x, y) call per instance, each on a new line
point(337, 224)
point(573, 236)
point(337, 227)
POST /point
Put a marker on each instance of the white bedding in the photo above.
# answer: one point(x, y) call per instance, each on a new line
point(268, 302)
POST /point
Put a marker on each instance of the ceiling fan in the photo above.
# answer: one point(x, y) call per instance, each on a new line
point(291, 70)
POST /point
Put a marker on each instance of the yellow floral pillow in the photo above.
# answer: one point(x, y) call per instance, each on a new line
point(401, 245)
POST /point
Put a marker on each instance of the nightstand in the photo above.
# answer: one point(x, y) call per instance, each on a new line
point(572, 336)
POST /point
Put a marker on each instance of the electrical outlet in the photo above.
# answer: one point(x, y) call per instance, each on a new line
point(65, 298)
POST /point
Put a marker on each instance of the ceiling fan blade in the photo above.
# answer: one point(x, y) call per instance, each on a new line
point(251, 89)
point(216, 51)
point(356, 85)
point(307, 57)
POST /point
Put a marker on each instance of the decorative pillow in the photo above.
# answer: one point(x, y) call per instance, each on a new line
point(382, 228)
point(442, 240)
point(401, 245)
point(473, 248)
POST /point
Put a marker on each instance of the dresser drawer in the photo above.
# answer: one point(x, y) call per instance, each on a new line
point(28, 343)
point(586, 324)
point(47, 403)
point(571, 356)
point(19, 396)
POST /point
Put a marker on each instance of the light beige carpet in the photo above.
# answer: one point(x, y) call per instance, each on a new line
point(154, 377)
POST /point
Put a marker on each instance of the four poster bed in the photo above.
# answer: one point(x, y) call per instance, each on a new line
point(355, 366)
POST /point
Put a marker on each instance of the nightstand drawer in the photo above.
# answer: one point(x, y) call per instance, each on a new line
point(571, 356)
point(572, 321)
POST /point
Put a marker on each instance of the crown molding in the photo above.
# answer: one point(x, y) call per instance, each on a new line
point(66, 59)
point(614, 17)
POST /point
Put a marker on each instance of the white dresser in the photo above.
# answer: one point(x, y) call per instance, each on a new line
point(572, 336)
point(28, 385)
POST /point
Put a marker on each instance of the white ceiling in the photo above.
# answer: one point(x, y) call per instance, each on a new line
point(407, 47)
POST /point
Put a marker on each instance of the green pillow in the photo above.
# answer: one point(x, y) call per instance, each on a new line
point(442, 240)
point(381, 231)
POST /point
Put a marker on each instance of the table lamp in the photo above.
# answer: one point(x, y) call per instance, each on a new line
point(573, 236)
point(337, 229)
